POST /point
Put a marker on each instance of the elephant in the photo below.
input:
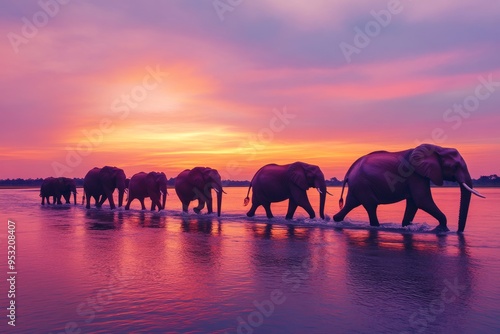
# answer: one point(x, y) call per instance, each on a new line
point(57, 187)
point(388, 177)
point(100, 183)
point(152, 185)
point(197, 183)
point(276, 183)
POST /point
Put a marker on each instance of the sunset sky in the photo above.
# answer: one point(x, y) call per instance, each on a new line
point(169, 85)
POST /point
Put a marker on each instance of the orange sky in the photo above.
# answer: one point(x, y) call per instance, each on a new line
point(168, 86)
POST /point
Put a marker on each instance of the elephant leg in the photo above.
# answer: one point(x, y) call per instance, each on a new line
point(185, 206)
point(87, 199)
point(201, 205)
point(306, 205)
point(371, 209)
point(432, 209)
point(252, 210)
point(410, 211)
point(426, 203)
point(350, 204)
point(143, 207)
point(109, 196)
point(267, 207)
point(209, 204)
point(292, 206)
point(154, 204)
point(158, 204)
point(58, 199)
point(99, 200)
point(130, 199)
point(300, 198)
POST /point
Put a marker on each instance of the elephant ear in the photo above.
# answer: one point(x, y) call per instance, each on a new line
point(195, 176)
point(159, 177)
point(296, 174)
point(425, 160)
point(210, 174)
point(151, 179)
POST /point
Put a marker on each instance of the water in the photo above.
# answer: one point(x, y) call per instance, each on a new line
point(100, 271)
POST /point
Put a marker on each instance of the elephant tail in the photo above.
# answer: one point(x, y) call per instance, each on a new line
point(341, 200)
point(247, 199)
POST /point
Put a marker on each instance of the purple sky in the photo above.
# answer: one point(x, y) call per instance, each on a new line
point(225, 80)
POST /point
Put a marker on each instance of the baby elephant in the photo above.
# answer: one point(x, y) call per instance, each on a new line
point(151, 185)
point(276, 183)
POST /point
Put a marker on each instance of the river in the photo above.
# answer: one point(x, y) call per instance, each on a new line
point(102, 271)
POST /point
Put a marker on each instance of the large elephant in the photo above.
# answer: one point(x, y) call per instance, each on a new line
point(100, 183)
point(151, 185)
point(276, 183)
point(197, 183)
point(388, 177)
point(57, 187)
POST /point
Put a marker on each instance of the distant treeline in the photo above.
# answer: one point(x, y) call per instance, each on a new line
point(483, 181)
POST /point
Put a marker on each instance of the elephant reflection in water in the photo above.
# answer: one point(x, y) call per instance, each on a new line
point(265, 231)
point(407, 274)
point(104, 220)
point(200, 224)
point(388, 177)
point(146, 220)
point(202, 249)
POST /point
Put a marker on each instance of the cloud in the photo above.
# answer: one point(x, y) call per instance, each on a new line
point(226, 78)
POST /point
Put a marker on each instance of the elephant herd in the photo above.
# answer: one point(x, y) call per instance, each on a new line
point(377, 178)
point(100, 184)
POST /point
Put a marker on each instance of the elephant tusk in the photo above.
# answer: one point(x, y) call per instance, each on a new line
point(475, 192)
point(319, 190)
point(216, 190)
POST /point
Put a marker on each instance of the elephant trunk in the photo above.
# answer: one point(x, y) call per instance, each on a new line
point(321, 187)
point(218, 189)
point(322, 199)
point(465, 196)
point(219, 202)
point(74, 197)
point(164, 200)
